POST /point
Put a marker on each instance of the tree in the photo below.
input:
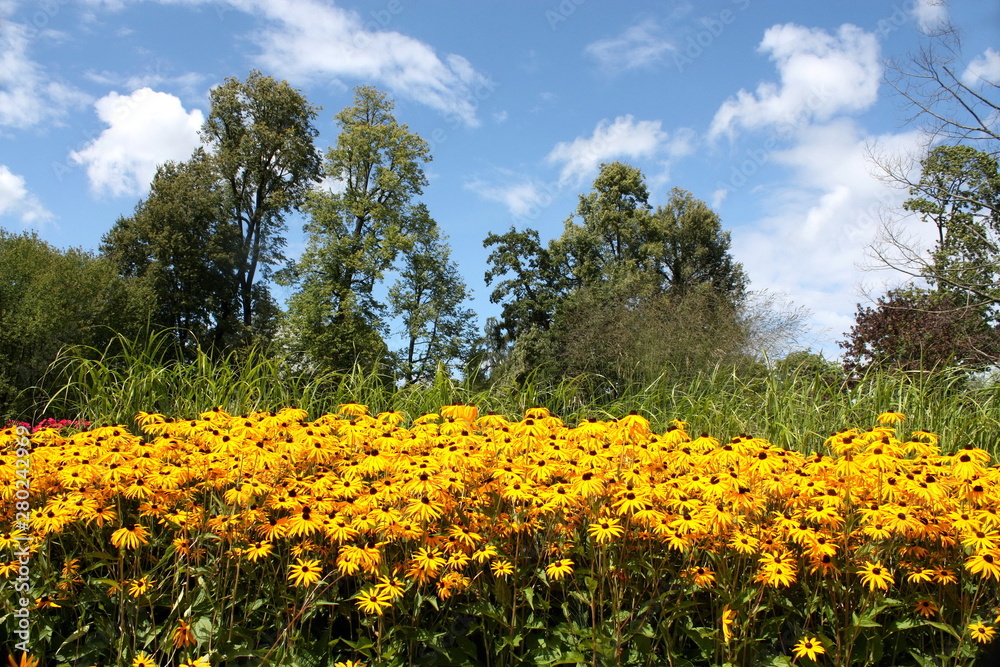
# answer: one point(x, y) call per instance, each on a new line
point(260, 138)
point(428, 297)
point(51, 299)
point(180, 245)
point(623, 291)
point(691, 249)
point(958, 187)
point(917, 329)
point(356, 234)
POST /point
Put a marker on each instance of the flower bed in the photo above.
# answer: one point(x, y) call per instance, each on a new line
point(457, 538)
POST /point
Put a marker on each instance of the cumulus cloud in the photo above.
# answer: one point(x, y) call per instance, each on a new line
point(931, 15)
point(820, 74)
point(145, 129)
point(638, 46)
point(309, 39)
point(28, 95)
point(984, 67)
point(15, 200)
point(624, 138)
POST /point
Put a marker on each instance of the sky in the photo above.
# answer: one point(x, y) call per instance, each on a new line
point(768, 111)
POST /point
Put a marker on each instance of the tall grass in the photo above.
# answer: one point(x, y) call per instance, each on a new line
point(795, 408)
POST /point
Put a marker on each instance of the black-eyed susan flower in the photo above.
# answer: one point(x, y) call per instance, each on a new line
point(981, 632)
point(142, 659)
point(875, 575)
point(559, 569)
point(129, 536)
point(728, 620)
point(810, 648)
point(606, 529)
point(926, 608)
point(305, 572)
point(502, 567)
point(985, 563)
point(373, 601)
point(891, 418)
point(183, 636)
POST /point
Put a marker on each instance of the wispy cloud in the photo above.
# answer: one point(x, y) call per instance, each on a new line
point(29, 96)
point(636, 47)
point(310, 40)
point(984, 68)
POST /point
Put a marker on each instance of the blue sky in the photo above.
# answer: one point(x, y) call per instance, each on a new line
point(765, 110)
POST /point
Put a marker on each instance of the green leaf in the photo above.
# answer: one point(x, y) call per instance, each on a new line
point(945, 627)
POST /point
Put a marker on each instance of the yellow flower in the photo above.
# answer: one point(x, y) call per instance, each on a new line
point(129, 536)
point(605, 529)
point(982, 633)
point(875, 575)
point(728, 619)
point(985, 565)
point(559, 569)
point(890, 418)
point(349, 663)
point(198, 662)
point(305, 572)
point(373, 601)
point(808, 648)
point(141, 659)
point(502, 567)
point(139, 587)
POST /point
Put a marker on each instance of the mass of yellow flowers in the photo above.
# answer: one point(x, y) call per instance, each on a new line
point(439, 501)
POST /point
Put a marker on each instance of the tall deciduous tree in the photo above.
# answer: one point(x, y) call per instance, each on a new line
point(356, 231)
point(209, 234)
point(260, 136)
point(180, 244)
point(617, 289)
point(429, 299)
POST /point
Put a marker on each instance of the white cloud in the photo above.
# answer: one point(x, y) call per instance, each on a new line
point(310, 39)
point(984, 67)
point(145, 129)
point(821, 75)
point(827, 210)
point(624, 138)
point(28, 96)
point(638, 46)
point(521, 198)
point(17, 201)
point(931, 15)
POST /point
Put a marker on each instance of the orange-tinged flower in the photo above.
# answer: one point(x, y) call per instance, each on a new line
point(926, 608)
point(183, 636)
